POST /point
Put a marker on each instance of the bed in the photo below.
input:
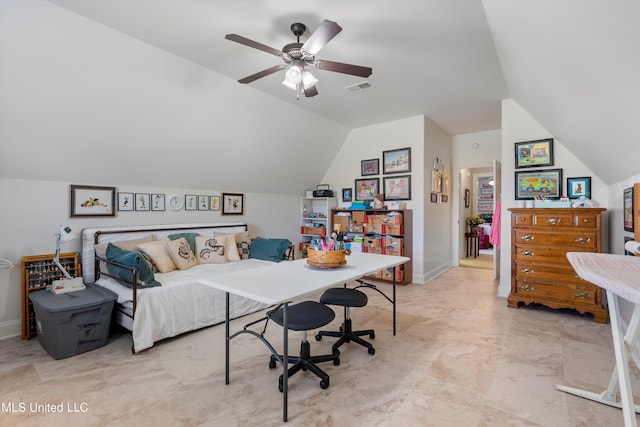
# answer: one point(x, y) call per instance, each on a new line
point(180, 304)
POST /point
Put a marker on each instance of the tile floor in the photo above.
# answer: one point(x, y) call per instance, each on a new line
point(461, 358)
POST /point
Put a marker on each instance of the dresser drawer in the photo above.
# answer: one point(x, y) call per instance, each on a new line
point(543, 219)
point(533, 290)
point(586, 220)
point(522, 219)
point(549, 272)
point(580, 238)
point(548, 254)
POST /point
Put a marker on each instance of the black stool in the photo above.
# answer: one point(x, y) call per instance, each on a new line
point(346, 297)
point(305, 316)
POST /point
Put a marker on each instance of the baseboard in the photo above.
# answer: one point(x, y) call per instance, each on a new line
point(424, 278)
point(10, 329)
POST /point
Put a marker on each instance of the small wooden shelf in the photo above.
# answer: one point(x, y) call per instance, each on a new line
point(38, 271)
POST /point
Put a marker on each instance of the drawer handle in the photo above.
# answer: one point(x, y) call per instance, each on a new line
point(527, 253)
point(554, 220)
point(527, 237)
point(583, 294)
point(527, 270)
point(581, 239)
point(585, 220)
point(527, 287)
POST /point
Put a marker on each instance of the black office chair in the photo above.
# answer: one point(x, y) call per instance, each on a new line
point(347, 298)
point(305, 316)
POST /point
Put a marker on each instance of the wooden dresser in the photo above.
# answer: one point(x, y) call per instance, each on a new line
point(540, 271)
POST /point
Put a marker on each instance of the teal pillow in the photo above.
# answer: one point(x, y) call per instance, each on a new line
point(145, 275)
point(189, 237)
point(269, 249)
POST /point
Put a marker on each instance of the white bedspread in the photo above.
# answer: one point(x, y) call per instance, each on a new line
point(181, 303)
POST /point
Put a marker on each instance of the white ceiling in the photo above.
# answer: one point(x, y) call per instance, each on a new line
point(572, 64)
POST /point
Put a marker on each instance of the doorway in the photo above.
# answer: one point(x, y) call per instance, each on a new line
point(477, 203)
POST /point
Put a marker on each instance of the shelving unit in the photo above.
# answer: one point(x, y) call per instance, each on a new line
point(314, 219)
point(38, 271)
point(382, 231)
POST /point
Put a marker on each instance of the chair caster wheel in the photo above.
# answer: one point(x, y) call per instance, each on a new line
point(272, 364)
point(318, 337)
point(324, 384)
point(372, 335)
point(336, 362)
point(372, 351)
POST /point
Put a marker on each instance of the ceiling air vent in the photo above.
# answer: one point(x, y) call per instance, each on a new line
point(358, 87)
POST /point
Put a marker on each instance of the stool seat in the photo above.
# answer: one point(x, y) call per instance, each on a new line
point(344, 296)
point(347, 298)
point(305, 316)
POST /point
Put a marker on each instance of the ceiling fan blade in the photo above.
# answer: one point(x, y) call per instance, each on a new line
point(312, 91)
point(320, 37)
point(262, 74)
point(247, 42)
point(339, 67)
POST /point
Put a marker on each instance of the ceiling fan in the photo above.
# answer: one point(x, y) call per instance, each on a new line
point(298, 55)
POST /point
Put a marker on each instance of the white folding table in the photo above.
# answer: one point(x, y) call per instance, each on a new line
point(619, 275)
point(284, 282)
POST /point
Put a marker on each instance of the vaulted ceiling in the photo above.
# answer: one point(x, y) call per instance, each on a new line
point(572, 64)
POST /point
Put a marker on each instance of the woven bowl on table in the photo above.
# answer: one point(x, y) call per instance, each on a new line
point(327, 259)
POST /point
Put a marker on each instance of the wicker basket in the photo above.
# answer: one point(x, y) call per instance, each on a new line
point(327, 259)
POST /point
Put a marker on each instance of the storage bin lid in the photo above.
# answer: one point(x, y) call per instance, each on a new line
point(92, 296)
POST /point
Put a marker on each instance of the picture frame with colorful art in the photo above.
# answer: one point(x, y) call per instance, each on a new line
point(397, 187)
point(396, 161)
point(545, 183)
point(366, 189)
point(125, 201)
point(142, 202)
point(347, 195)
point(627, 211)
point(370, 167)
point(578, 187)
point(531, 154)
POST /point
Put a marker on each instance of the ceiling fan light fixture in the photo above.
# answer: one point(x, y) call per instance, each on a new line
point(290, 85)
point(308, 79)
point(294, 73)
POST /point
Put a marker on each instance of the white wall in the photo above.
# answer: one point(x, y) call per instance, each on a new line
point(368, 143)
point(31, 212)
point(517, 126)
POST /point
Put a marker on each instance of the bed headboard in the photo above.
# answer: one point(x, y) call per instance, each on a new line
point(94, 236)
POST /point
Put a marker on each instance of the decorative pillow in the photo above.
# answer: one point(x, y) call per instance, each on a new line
point(145, 278)
point(127, 245)
point(243, 241)
point(181, 253)
point(150, 262)
point(230, 248)
point(190, 238)
point(158, 252)
point(211, 250)
point(269, 249)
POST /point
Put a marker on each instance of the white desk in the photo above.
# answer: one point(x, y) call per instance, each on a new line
point(619, 275)
point(281, 283)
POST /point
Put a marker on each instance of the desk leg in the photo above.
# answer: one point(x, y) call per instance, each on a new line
point(285, 361)
point(623, 345)
point(226, 341)
point(394, 300)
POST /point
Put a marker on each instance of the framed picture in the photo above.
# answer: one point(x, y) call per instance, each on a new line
point(530, 154)
point(190, 202)
point(203, 203)
point(434, 197)
point(370, 167)
point(627, 202)
point(396, 161)
point(86, 200)
point(347, 195)
point(232, 204)
point(578, 187)
point(467, 197)
point(125, 201)
point(158, 202)
point(542, 183)
point(214, 203)
point(444, 198)
point(366, 189)
point(397, 187)
point(142, 202)
point(436, 181)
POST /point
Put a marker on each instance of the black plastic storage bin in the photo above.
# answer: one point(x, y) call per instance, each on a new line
point(75, 322)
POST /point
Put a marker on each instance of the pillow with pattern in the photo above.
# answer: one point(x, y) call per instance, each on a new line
point(230, 247)
point(181, 254)
point(158, 252)
point(211, 250)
